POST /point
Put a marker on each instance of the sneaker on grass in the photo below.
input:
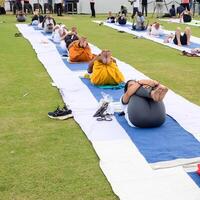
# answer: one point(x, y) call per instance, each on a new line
point(61, 114)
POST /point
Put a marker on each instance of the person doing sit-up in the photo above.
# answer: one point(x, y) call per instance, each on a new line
point(79, 51)
point(104, 70)
point(21, 17)
point(142, 103)
point(155, 29)
point(48, 24)
point(121, 19)
point(178, 38)
point(186, 16)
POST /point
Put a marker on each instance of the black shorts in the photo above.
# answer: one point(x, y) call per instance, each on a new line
point(183, 39)
point(122, 21)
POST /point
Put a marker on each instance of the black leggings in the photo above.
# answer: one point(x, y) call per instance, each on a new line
point(143, 111)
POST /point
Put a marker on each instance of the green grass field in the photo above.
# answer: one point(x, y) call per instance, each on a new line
point(43, 159)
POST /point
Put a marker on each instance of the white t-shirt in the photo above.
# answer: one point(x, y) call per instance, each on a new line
point(156, 32)
point(136, 3)
point(139, 22)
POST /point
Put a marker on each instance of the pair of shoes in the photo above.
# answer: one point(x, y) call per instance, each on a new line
point(18, 35)
point(159, 93)
point(60, 114)
point(185, 53)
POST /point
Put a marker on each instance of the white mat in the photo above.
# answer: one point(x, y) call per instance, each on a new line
point(131, 177)
point(172, 20)
point(143, 34)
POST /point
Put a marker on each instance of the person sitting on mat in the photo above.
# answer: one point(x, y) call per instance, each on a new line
point(110, 18)
point(139, 22)
point(186, 16)
point(155, 29)
point(21, 17)
point(79, 51)
point(178, 38)
point(104, 70)
point(142, 103)
point(121, 19)
point(48, 24)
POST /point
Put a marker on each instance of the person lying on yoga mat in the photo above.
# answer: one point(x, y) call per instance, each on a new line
point(186, 16)
point(68, 38)
point(104, 70)
point(142, 103)
point(110, 18)
point(178, 38)
point(37, 18)
point(121, 19)
point(139, 25)
point(79, 51)
point(58, 32)
point(155, 29)
point(48, 24)
point(21, 17)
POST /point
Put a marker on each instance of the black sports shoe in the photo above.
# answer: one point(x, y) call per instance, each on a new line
point(60, 114)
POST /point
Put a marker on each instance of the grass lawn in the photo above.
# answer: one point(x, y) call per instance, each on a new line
point(45, 159)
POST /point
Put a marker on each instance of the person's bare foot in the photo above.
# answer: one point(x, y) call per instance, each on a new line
point(103, 57)
point(159, 93)
point(82, 42)
point(108, 56)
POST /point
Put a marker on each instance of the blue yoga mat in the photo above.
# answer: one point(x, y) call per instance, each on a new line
point(168, 142)
point(195, 177)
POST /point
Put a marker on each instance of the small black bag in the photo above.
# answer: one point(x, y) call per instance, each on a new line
point(101, 110)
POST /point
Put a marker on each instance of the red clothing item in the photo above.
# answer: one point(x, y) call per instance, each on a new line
point(185, 1)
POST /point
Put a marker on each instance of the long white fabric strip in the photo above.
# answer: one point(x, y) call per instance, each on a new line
point(172, 20)
point(144, 34)
point(130, 176)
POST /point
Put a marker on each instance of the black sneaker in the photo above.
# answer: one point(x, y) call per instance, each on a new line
point(60, 114)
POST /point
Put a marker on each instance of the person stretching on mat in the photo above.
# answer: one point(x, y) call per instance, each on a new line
point(58, 32)
point(178, 38)
point(68, 38)
point(142, 103)
point(155, 29)
point(21, 17)
point(48, 24)
point(79, 51)
point(186, 16)
point(121, 19)
point(110, 18)
point(104, 70)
